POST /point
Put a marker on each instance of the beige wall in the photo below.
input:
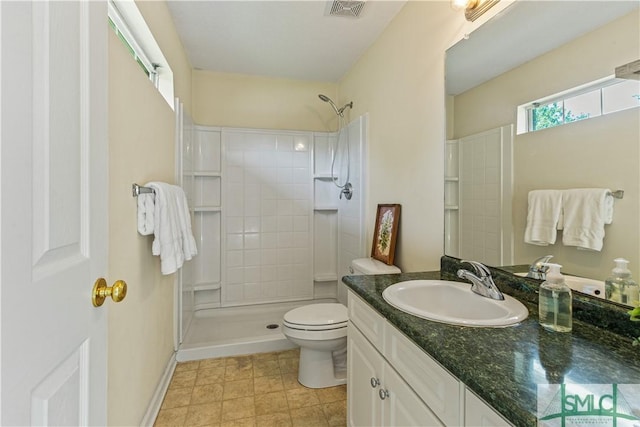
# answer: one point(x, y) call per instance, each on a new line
point(141, 149)
point(157, 16)
point(235, 100)
point(400, 83)
point(599, 152)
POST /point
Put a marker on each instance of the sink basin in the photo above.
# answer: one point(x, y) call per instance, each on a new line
point(582, 284)
point(454, 303)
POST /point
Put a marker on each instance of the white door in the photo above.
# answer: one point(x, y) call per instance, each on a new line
point(53, 202)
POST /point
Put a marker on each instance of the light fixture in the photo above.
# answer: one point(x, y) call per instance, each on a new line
point(473, 9)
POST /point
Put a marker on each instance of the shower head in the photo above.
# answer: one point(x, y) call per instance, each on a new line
point(325, 98)
point(339, 111)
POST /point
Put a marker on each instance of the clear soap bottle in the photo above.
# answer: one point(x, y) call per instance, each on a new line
point(620, 287)
point(554, 304)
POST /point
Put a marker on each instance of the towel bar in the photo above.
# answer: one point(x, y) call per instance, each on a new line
point(137, 190)
point(618, 194)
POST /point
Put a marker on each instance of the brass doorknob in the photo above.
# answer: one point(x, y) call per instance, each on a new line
point(101, 291)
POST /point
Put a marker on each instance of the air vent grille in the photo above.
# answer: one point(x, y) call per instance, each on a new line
point(351, 9)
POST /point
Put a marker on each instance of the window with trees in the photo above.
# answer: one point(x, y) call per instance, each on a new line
point(595, 99)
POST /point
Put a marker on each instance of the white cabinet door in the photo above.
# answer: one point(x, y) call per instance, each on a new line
point(365, 370)
point(479, 414)
point(402, 407)
point(54, 156)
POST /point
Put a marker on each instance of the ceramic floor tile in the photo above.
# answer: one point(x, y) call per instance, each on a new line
point(210, 376)
point(239, 371)
point(245, 422)
point(212, 363)
point(183, 379)
point(336, 413)
point(205, 414)
point(263, 368)
point(311, 416)
point(236, 389)
point(177, 397)
point(171, 417)
point(267, 384)
point(290, 381)
point(237, 409)
point(332, 394)
point(301, 397)
point(280, 419)
point(288, 365)
point(270, 403)
point(187, 366)
point(259, 390)
point(207, 393)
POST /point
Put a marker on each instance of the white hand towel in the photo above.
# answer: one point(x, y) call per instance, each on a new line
point(146, 211)
point(171, 231)
point(586, 211)
point(543, 217)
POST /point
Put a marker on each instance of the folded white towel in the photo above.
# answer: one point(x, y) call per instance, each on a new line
point(586, 211)
point(173, 241)
point(543, 217)
point(146, 211)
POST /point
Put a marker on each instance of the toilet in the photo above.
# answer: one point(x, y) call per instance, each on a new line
point(321, 332)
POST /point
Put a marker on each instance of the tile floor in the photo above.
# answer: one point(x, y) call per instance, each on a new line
point(255, 390)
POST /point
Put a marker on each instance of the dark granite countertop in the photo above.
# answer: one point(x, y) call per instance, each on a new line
point(505, 365)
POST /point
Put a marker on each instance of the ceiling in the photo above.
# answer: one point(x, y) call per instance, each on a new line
point(532, 28)
point(295, 39)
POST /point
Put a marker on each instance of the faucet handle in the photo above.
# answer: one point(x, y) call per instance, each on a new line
point(479, 268)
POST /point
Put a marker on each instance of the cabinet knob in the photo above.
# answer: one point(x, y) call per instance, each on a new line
point(383, 394)
point(375, 382)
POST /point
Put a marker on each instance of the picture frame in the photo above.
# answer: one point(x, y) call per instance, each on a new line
point(385, 233)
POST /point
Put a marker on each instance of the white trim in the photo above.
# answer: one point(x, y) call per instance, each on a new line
point(158, 396)
point(142, 41)
point(122, 26)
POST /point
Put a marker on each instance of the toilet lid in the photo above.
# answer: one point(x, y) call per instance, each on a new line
point(332, 314)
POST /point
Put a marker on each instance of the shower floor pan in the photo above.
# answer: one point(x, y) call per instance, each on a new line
point(231, 331)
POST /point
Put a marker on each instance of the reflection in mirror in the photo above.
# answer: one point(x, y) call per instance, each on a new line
point(529, 52)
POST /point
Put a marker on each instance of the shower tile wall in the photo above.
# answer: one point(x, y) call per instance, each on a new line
point(485, 197)
point(268, 198)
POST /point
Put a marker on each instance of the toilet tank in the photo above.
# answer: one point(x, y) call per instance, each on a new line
point(369, 266)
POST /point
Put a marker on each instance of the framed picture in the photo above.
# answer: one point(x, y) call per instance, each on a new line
point(385, 233)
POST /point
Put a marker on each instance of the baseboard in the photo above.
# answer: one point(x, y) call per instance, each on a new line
point(158, 396)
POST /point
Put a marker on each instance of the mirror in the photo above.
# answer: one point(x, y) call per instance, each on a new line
point(529, 51)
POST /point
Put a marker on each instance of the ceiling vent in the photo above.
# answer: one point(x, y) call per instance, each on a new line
point(351, 9)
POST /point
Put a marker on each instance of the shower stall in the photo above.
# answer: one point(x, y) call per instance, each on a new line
point(273, 230)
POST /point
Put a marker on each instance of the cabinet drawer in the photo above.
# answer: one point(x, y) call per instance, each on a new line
point(435, 386)
point(370, 323)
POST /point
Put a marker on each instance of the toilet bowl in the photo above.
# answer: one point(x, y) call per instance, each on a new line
point(321, 332)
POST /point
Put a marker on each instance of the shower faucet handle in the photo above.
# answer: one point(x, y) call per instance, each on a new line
point(347, 191)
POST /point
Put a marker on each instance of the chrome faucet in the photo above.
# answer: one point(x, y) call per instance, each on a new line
point(537, 269)
point(482, 282)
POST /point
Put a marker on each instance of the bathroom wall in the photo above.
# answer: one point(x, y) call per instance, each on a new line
point(399, 81)
point(141, 149)
point(235, 100)
point(599, 152)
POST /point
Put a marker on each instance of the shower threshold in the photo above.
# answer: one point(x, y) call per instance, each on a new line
point(231, 331)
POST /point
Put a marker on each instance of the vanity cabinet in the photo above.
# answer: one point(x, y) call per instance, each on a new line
point(379, 395)
point(393, 382)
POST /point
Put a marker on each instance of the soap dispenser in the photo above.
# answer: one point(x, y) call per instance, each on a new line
point(554, 303)
point(620, 287)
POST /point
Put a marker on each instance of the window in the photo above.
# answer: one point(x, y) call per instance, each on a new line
point(127, 22)
point(604, 96)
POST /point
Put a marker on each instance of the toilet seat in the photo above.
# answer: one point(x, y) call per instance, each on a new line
point(317, 317)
